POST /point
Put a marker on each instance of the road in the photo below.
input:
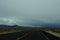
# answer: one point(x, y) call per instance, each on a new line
point(29, 35)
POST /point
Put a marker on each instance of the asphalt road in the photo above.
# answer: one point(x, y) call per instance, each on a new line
point(29, 35)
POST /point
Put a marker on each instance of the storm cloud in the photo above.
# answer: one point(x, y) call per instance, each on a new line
point(29, 12)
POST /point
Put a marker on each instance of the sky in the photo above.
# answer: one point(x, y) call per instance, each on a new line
point(29, 12)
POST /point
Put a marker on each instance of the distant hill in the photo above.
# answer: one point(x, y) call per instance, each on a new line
point(51, 25)
point(43, 26)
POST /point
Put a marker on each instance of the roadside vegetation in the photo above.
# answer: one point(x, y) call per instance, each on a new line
point(55, 32)
point(5, 31)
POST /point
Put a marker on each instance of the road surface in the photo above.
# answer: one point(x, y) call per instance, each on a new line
point(29, 35)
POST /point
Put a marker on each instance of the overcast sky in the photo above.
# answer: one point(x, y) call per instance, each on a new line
point(29, 12)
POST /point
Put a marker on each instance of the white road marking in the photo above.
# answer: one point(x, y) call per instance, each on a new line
point(23, 36)
point(45, 36)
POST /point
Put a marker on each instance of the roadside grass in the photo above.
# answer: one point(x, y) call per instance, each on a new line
point(6, 31)
point(54, 32)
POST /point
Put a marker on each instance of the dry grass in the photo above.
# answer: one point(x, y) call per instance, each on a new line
point(6, 31)
point(54, 32)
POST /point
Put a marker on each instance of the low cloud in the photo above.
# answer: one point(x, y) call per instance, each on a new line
point(29, 12)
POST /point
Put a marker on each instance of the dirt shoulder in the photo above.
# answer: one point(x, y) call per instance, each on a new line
point(54, 33)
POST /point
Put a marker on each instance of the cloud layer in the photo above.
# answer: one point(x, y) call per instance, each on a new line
point(24, 12)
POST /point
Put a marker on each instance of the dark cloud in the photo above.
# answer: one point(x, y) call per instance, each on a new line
point(24, 11)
